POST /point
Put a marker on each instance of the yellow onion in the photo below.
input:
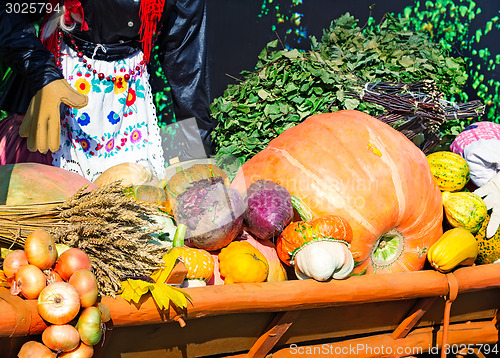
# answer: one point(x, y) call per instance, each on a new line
point(40, 249)
point(13, 262)
point(58, 303)
point(61, 337)
point(33, 349)
point(29, 282)
point(86, 284)
point(82, 351)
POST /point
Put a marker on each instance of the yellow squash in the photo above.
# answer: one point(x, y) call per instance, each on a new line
point(241, 262)
point(455, 247)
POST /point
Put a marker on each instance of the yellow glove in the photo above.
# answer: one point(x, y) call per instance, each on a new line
point(42, 122)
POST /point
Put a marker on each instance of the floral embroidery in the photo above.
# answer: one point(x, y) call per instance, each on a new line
point(131, 97)
point(120, 85)
point(113, 117)
point(110, 145)
point(84, 144)
point(82, 86)
point(84, 119)
point(135, 136)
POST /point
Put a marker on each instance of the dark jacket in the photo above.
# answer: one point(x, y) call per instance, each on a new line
point(181, 51)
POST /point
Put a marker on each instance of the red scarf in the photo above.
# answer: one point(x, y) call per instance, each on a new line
point(150, 13)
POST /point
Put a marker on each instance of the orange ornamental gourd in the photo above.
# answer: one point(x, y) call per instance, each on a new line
point(352, 165)
point(317, 248)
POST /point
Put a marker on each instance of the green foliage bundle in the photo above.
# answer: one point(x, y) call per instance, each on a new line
point(288, 86)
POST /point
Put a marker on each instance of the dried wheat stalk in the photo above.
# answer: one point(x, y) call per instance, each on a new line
point(110, 227)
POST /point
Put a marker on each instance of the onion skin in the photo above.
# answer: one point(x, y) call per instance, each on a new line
point(33, 349)
point(71, 261)
point(85, 283)
point(13, 262)
point(40, 249)
point(29, 282)
point(89, 325)
point(58, 303)
point(105, 312)
point(61, 337)
point(53, 276)
point(82, 351)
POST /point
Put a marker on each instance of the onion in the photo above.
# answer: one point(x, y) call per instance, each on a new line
point(13, 261)
point(33, 349)
point(85, 283)
point(29, 282)
point(40, 249)
point(89, 325)
point(82, 351)
point(71, 261)
point(61, 337)
point(105, 312)
point(58, 303)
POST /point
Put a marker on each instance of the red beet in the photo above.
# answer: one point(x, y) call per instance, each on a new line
point(269, 209)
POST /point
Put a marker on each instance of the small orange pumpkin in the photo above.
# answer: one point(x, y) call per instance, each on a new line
point(241, 262)
point(317, 248)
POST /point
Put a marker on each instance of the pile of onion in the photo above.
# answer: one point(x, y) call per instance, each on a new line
point(60, 278)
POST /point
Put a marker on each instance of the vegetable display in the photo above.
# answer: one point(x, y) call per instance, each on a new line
point(352, 165)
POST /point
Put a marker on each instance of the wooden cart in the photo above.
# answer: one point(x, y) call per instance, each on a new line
point(394, 315)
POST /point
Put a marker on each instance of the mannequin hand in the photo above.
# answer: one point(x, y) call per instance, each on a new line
point(42, 122)
point(490, 192)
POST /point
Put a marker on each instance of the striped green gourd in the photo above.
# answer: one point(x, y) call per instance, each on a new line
point(464, 209)
point(450, 170)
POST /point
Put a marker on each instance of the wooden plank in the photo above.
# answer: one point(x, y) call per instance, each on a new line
point(278, 327)
point(416, 313)
point(419, 341)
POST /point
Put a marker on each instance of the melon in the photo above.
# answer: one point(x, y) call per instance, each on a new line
point(30, 183)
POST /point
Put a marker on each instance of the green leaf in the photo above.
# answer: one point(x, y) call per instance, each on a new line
point(351, 103)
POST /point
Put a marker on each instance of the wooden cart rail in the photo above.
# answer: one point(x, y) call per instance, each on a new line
point(286, 300)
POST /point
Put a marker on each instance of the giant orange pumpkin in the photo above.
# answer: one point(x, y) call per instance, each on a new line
point(352, 165)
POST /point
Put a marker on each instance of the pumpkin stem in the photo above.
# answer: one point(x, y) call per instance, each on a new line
point(388, 248)
point(302, 209)
point(180, 233)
